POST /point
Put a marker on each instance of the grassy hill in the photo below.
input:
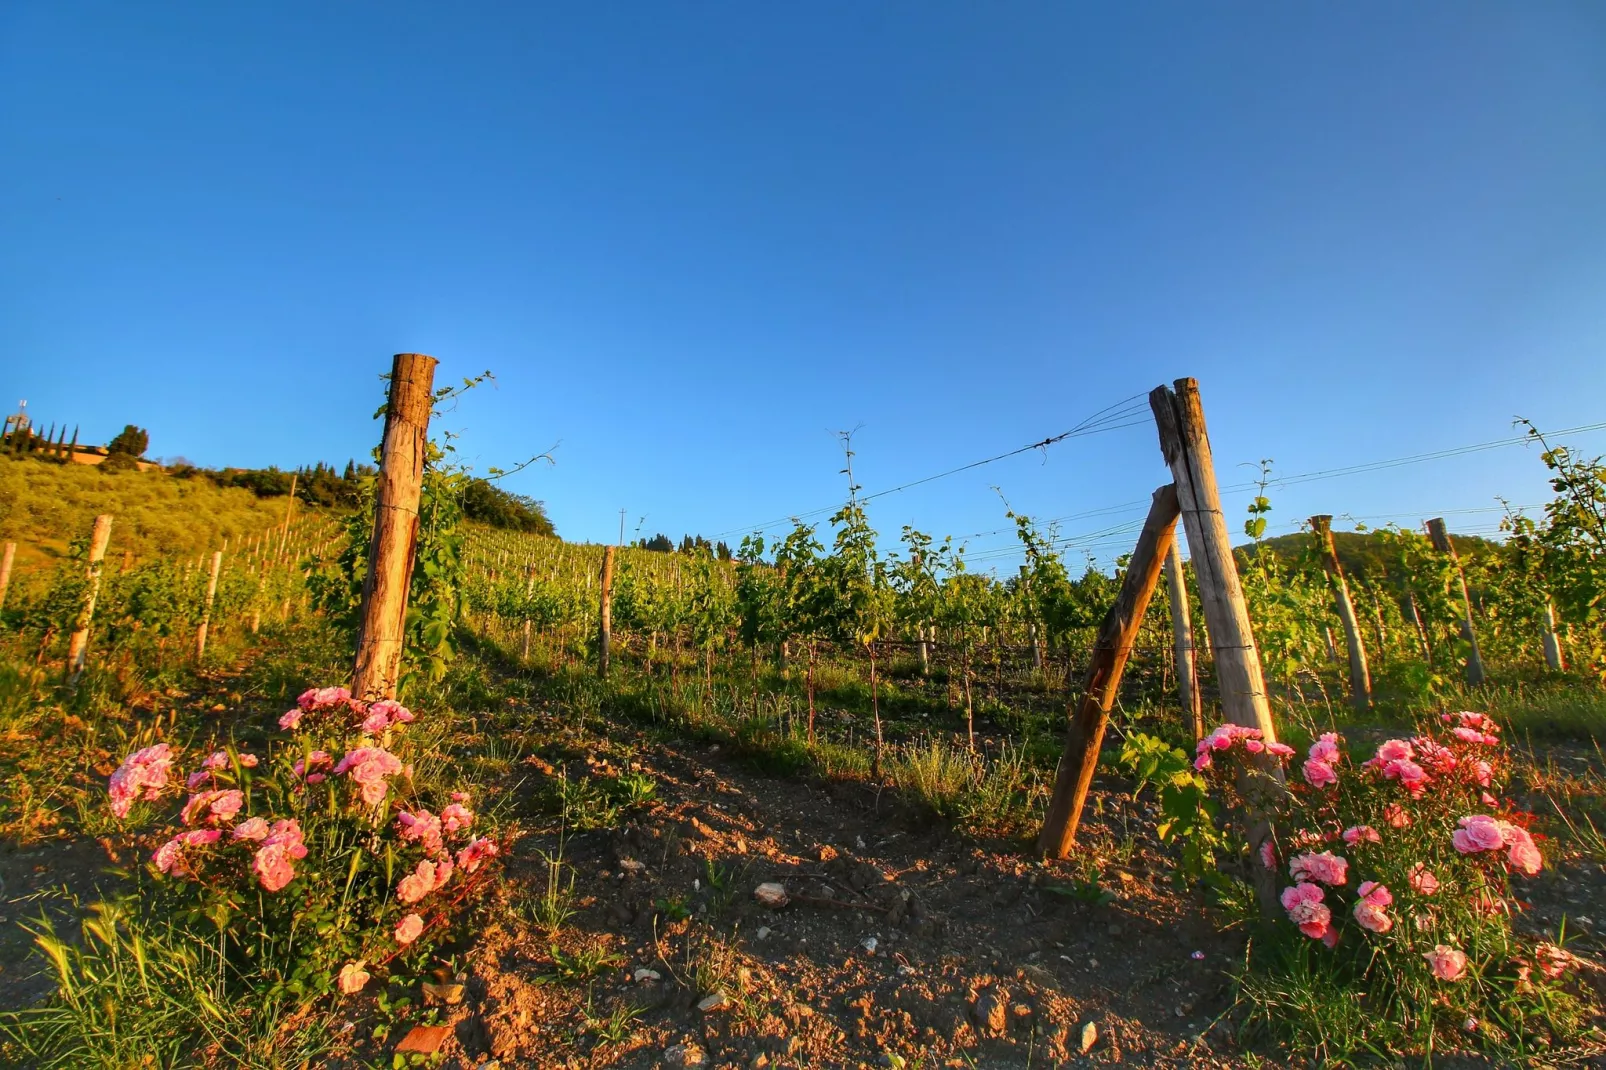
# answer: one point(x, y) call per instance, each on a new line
point(1366, 553)
point(45, 506)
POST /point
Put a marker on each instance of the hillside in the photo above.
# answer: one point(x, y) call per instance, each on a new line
point(1365, 553)
point(44, 506)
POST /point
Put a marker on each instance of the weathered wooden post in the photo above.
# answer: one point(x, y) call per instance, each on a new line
point(1360, 676)
point(383, 614)
point(78, 645)
point(529, 587)
point(6, 558)
point(1553, 656)
point(1421, 629)
point(206, 608)
point(1185, 444)
point(1103, 680)
point(1441, 542)
point(290, 503)
point(1182, 642)
point(605, 614)
point(1032, 635)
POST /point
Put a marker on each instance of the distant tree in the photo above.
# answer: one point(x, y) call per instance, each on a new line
point(131, 440)
point(119, 462)
point(490, 504)
point(659, 543)
point(722, 551)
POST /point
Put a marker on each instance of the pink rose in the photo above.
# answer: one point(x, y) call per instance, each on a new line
point(1396, 816)
point(1524, 855)
point(248, 761)
point(1268, 854)
point(1325, 867)
point(142, 775)
point(475, 854)
point(1319, 774)
point(1358, 833)
point(456, 817)
point(1372, 917)
point(1478, 832)
point(253, 829)
point(1325, 749)
point(291, 720)
point(1447, 963)
point(1422, 881)
point(1280, 750)
point(271, 864)
point(1395, 750)
point(352, 978)
point(1305, 908)
point(408, 929)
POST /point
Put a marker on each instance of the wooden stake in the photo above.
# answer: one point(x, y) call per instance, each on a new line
point(1360, 676)
point(6, 557)
point(1091, 714)
point(383, 614)
point(290, 505)
point(605, 614)
point(1185, 444)
point(1182, 642)
point(206, 608)
point(1421, 629)
point(1441, 542)
point(1553, 657)
point(78, 645)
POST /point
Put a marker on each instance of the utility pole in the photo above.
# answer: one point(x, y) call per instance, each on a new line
point(621, 527)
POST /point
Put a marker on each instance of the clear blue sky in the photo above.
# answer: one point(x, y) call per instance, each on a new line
point(693, 240)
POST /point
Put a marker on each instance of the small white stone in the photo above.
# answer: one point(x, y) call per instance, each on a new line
point(763, 932)
point(771, 894)
point(646, 976)
point(716, 1001)
point(869, 944)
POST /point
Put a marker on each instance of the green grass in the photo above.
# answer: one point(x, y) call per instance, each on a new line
point(44, 506)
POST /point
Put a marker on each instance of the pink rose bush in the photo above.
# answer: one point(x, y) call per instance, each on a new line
point(328, 832)
point(1397, 871)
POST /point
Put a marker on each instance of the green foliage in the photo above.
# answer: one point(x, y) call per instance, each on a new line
point(1188, 816)
point(489, 504)
point(132, 441)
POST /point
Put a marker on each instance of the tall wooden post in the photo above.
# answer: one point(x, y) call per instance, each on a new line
point(1441, 542)
point(529, 587)
point(1553, 656)
point(383, 614)
point(290, 503)
point(1421, 629)
point(206, 609)
point(1032, 635)
point(1108, 660)
point(1182, 642)
point(78, 645)
point(1360, 676)
point(6, 558)
point(1185, 444)
point(605, 614)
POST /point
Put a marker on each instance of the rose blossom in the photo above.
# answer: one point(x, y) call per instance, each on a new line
point(455, 817)
point(1305, 908)
point(1369, 908)
point(423, 828)
point(144, 772)
point(291, 719)
point(1478, 832)
point(423, 880)
point(1319, 774)
point(1326, 867)
point(271, 864)
point(1357, 833)
point(474, 855)
point(207, 805)
point(352, 976)
point(1268, 854)
point(1280, 750)
point(408, 929)
point(1422, 881)
point(1396, 816)
point(1447, 963)
point(1325, 749)
point(252, 829)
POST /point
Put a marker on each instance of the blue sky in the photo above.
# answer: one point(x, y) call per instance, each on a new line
point(692, 241)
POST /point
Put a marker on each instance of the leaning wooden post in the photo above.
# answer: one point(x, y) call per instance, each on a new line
point(1116, 634)
point(1182, 642)
point(206, 608)
point(78, 645)
point(5, 570)
point(1185, 444)
point(1442, 543)
point(605, 614)
point(383, 614)
point(1360, 676)
point(1553, 657)
point(290, 505)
